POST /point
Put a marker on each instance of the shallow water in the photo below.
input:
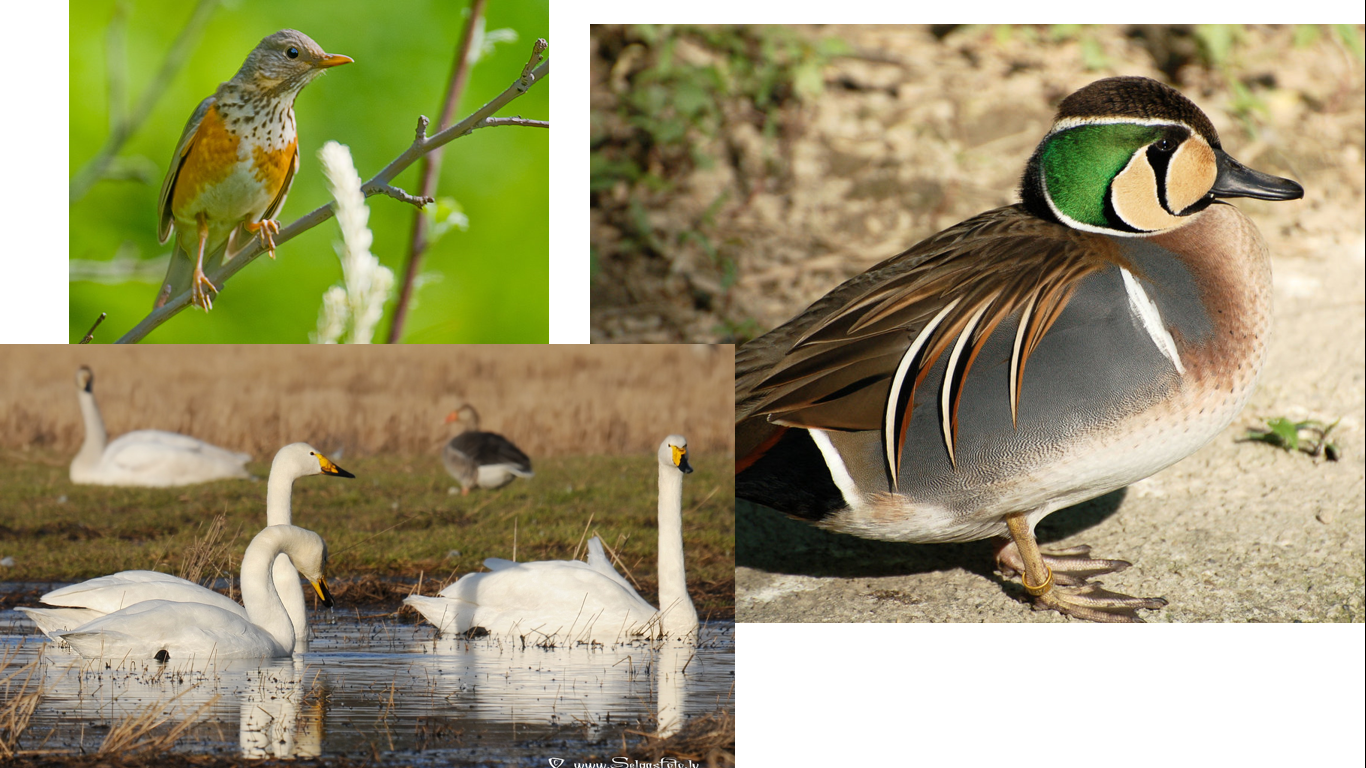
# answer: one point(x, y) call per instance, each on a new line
point(369, 686)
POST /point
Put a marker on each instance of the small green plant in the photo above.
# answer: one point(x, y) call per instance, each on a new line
point(1309, 437)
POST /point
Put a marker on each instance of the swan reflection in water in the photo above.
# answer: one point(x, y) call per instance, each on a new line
point(279, 717)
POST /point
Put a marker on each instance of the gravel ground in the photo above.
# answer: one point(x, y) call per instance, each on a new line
point(915, 132)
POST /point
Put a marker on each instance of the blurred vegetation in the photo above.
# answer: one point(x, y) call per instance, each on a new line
point(489, 283)
point(675, 89)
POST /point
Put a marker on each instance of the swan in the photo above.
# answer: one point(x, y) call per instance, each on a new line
point(165, 629)
point(69, 607)
point(482, 459)
point(579, 600)
point(148, 457)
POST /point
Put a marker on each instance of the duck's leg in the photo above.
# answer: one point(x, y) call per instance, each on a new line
point(1059, 580)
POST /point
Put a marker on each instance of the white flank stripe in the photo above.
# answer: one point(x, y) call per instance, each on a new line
point(838, 472)
point(889, 419)
point(1015, 357)
point(1145, 311)
point(944, 385)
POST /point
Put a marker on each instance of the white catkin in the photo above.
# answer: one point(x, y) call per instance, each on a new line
point(358, 304)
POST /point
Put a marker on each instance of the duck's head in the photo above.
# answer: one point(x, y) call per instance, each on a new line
point(1131, 156)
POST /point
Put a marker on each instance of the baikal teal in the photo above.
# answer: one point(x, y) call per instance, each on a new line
point(1029, 358)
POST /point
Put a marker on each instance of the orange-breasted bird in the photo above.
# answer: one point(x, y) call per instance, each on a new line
point(235, 162)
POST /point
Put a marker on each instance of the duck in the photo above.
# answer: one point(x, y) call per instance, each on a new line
point(69, 607)
point(583, 601)
point(149, 458)
point(481, 459)
point(165, 630)
point(1031, 357)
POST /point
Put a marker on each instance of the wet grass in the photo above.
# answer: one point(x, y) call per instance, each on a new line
point(396, 525)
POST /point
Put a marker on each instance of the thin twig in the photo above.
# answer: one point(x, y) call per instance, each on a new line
point(96, 168)
point(378, 184)
point(431, 169)
point(91, 333)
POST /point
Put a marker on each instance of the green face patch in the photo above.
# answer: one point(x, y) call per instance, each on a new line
point(1079, 163)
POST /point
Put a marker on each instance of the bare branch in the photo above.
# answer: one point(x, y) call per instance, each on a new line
point(431, 168)
point(378, 184)
point(91, 333)
point(495, 121)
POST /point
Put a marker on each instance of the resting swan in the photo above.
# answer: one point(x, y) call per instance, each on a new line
point(482, 459)
point(69, 607)
point(148, 457)
point(578, 600)
point(164, 629)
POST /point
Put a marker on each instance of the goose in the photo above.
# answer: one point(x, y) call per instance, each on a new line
point(578, 600)
point(148, 458)
point(482, 459)
point(166, 629)
point(69, 607)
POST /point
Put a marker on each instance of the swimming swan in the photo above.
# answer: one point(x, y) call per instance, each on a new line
point(148, 457)
point(578, 600)
point(164, 629)
point(69, 607)
point(482, 459)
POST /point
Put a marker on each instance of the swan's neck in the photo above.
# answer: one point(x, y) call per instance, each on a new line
point(95, 436)
point(259, 597)
point(278, 491)
point(679, 616)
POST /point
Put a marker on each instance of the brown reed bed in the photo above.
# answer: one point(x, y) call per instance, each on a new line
point(359, 401)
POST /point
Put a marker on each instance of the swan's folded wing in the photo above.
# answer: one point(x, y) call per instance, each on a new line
point(598, 561)
point(183, 630)
point(151, 450)
point(108, 594)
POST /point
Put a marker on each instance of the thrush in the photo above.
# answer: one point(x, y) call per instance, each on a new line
point(236, 159)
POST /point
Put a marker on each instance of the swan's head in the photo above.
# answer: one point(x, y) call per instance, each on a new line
point(300, 459)
point(308, 552)
point(673, 452)
point(85, 379)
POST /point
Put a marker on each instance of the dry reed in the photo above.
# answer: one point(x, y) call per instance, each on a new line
point(138, 732)
point(207, 551)
point(22, 693)
point(550, 400)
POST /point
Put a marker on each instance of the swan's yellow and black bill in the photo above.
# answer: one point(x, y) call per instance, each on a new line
point(329, 468)
point(681, 459)
point(320, 586)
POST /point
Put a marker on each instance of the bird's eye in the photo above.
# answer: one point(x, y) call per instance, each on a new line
point(292, 53)
point(1165, 145)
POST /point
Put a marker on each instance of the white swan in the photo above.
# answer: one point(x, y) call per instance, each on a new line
point(147, 457)
point(578, 600)
point(164, 629)
point(69, 607)
point(482, 459)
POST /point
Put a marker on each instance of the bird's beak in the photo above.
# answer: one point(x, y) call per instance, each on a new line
point(331, 469)
point(333, 60)
point(320, 586)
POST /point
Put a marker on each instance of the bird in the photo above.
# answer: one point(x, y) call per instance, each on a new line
point(69, 607)
point(1031, 357)
point(150, 458)
point(165, 629)
point(481, 459)
point(234, 163)
point(580, 601)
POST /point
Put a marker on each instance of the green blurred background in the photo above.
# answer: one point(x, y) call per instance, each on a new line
point(493, 283)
